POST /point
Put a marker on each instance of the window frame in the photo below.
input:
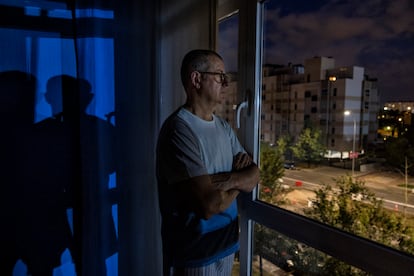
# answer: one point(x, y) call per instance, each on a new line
point(354, 250)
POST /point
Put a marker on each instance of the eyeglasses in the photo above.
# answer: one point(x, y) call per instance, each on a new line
point(224, 78)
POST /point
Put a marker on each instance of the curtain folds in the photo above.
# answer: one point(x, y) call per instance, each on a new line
point(79, 193)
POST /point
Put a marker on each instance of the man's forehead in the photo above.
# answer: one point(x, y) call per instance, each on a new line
point(216, 63)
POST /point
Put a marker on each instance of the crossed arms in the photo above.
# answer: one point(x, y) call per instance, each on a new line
point(208, 195)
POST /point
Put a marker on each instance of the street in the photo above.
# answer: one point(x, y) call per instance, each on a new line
point(385, 185)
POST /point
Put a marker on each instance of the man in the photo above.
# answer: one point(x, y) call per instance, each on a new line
point(201, 168)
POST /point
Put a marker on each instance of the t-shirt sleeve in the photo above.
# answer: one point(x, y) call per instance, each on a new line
point(179, 153)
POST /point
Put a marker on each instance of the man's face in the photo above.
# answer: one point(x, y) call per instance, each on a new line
point(213, 83)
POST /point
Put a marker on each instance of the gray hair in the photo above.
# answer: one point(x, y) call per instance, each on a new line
point(196, 60)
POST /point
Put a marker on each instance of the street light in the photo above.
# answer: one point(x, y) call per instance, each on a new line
point(348, 113)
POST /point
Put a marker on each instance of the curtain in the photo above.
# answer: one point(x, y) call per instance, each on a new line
point(79, 192)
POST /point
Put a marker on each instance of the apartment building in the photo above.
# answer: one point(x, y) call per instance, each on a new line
point(227, 110)
point(401, 106)
point(316, 95)
point(395, 118)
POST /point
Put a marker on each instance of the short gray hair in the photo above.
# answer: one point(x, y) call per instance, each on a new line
point(196, 60)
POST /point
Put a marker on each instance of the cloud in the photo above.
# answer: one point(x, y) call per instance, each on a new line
point(227, 43)
point(375, 34)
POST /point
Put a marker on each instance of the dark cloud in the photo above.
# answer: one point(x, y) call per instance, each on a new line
point(227, 44)
point(377, 35)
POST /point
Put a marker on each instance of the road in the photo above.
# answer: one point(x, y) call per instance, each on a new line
point(385, 185)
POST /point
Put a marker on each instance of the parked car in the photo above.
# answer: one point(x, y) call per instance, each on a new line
point(290, 165)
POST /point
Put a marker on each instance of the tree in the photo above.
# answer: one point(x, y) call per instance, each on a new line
point(271, 173)
point(284, 144)
point(400, 148)
point(353, 208)
point(309, 147)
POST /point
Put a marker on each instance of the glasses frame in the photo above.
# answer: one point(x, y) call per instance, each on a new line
point(224, 78)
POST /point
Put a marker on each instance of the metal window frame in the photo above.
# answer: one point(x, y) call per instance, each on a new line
point(357, 251)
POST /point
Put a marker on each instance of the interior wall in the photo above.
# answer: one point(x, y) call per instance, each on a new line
point(136, 113)
point(151, 40)
point(184, 25)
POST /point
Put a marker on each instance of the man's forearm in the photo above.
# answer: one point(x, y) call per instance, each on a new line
point(225, 188)
point(243, 180)
point(227, 197)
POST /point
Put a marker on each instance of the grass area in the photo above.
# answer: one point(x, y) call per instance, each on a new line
point(408, 220)
point(409, 186)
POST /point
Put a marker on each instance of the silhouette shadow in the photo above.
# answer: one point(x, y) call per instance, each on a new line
point(81, 150)
point(60, 164)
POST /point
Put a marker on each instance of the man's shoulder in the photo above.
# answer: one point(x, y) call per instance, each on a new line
point(175, 120)
point(175, 126)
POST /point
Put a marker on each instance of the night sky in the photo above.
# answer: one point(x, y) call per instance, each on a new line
point(375, 34)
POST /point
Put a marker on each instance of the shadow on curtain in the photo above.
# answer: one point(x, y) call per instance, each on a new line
point(59, 202)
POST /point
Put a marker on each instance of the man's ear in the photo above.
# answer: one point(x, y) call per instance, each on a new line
point(196, 79)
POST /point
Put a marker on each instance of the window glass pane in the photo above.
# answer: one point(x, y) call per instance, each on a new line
point(276, 254)
point(326, 150)
point(228, 48)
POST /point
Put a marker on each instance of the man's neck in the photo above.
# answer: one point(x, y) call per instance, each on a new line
point(204, 112)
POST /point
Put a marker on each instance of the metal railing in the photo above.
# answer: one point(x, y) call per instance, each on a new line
point(365, 254)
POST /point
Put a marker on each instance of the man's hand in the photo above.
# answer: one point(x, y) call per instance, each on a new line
point(241, 161)
point(211, 194)
point(225, 181)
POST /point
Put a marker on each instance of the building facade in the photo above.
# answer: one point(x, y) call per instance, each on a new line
point(395, 118)
point(316, 95)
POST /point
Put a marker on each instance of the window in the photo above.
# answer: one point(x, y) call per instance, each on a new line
point(266, 204)
point(276, 14)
